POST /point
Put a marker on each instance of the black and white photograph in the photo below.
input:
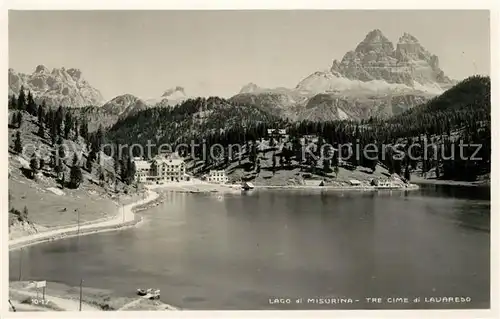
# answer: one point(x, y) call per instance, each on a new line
point(177, 160)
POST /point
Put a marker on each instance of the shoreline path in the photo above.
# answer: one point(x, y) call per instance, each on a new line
point(124, 216)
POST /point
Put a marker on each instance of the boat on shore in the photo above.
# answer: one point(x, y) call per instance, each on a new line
point(149, 293)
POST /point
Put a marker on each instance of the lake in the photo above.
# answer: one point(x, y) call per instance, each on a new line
point(320, 249)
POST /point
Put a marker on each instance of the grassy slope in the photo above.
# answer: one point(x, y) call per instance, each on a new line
point(47, 209)
point(293, 175)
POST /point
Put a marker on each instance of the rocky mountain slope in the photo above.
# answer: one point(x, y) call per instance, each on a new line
point(124, 105)
point(65, 87)
point(376, 79)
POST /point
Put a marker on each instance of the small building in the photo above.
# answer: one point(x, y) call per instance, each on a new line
point(314, 182)
point(354, 182)
point(276, 132)
point(142, 170)
point(217, 176)
point(247, 186)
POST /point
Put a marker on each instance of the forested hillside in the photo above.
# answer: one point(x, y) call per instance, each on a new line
point(460, 114)
point(194, 119)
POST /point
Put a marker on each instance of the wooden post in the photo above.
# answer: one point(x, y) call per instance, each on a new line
point(13, 308)
point(21, 264)
point(43, 293)
point(81, 281)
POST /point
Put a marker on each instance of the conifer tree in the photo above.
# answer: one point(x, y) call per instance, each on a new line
point(40, 114)
point(21, 100)
point(19, 119)
point(76, 176)
point(68, 125)
point(84, 129)
point(13, 102)
point(41, 132)
point(18, 146)
point(89, 165)
point(41, 163)
point(33, 166)
point(31, 105)
point(59, 119)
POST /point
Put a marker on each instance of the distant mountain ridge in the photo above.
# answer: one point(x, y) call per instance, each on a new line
point(170, 97)
point(59, 87)
point(375, 79)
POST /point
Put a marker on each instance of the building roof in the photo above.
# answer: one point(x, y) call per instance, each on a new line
point(169, 161)
point(142, 165)
point(313, 182)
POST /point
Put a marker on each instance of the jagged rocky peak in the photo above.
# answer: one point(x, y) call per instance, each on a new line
point(60, 86)
point(175, 91)
point(250, 88)
point(76, 74)
point(41, 69)
point(375, 58)
point(407, 38)
point(408, 48)
point(375, 41)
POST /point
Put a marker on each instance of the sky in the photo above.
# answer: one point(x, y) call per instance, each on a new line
point(217, 52)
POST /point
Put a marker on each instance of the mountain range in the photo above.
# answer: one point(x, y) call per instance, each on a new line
point(376, 78)
point(59, 87)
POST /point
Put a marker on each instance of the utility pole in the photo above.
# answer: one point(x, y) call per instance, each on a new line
point(77, 220)
point(21, 264)
point(81, 282)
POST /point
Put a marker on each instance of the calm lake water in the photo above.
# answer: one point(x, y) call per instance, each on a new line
point(242, 252)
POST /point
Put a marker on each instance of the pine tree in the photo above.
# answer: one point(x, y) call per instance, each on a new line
point(40, 114)
point(19, 119)
point(99, 138)
point(76, 176)
point(59, 119)
point(89, 165)
point(31, 105)
point(101, 175)
point(34, 166)
point(24, 215)
point(61, 154)
point(407, 173)
point(84, 129)
point(21, 100)
point(123, 171)
point(68, 125)
point(13, 120)
point(59, 168)
point(326, 166)
point(13, 102)
point(130, 171)
point(18, 144)
point(41, 131)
